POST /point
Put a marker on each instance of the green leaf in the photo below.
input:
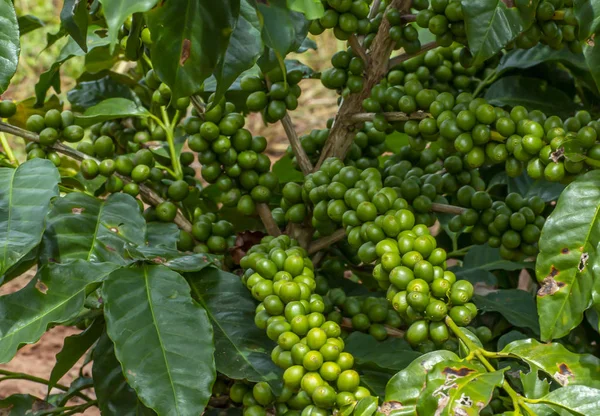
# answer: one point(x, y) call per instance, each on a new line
point(396, 141)
point(588, 16)
point(74, 18)
point(509, 337)
point(174, 259)
point(312, 9)
point(592, 58)
point(115, 396)
point(189, 37)
point(51, 78)
point(160, 234)
point(73, 349)
point(406, 387)
point(55, 295)
point(244, 49)
point(283, 30)
point(458, 388)
point(532, 93)
point(540, 53)
point(117, 11)
point(564, 366)
point(533, 387)
point(242, 351)
point(9, 43)
point(481, 260)
point(286, 171)
point(527, 187)
point(163, 340)
point(393, 353)
point(490, 27)
point(111, 109)
point(366, 406)
point(568, 257)
point(569, 400)
point(25, 195)
point(90, 93)
point(83, 227)
point(29, 23)
point(22, 404)
point(517, 306)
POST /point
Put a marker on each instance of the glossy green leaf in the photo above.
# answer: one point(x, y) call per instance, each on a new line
point(286, 171)
point(25, 196)
point(312, 9)
point(490, 26)
point(189, 37)
point(569, 400)
point(532, 93)
point(517, 306)
point(160, 234)
point(481, 260)
point(115, 396)
point(55, 295)
point(366, 406)
point(540, 53)
point(458, 388)
point(393, 353)
point(405, 388)
point(111, 109)
point(29, 23)
point(568, 258)
point(74, 18)
point(564, 366)
point(51, 78)
point(163, 339)
point(9, 43)
point(83, 227)
point(90, 93)
point(283, 29)
point(527, 187)
point(73, 349)
point(244, 49)
point(588, 16)
point(242, 351)
point(533, 387)
point(117, 11)
point(174, 259)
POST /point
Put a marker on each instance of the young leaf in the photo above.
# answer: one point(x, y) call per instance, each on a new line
point(83, 227)
point(110, 109)
point(572, 400)
point(286, 171)
point(533, 387)
point(568, 257)
point(163, 339)
point(29, 23)
point(25, 195)
point(73, 349)
point(188, 39)
point(55, 295)
point(312, 9)
point(115, 396)
point(9, 43)
point(117, 11)
point(242, 350)
point(564, 366)
point(74, 18)
point(517, 306)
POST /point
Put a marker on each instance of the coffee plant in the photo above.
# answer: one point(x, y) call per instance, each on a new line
point(433, 249)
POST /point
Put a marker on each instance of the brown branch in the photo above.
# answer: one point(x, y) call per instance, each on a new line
point(267, 218)
point(342, 133)
point(405, 56)
point(301, 157)
point(392, 116)
point(147, 194)
point(357, 48)
point(325, 242)
point(391, 331)
point(447, 209)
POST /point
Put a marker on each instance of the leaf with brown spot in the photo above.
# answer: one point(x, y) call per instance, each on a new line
point(549, 287)
point(459, 372)
point(186, 50)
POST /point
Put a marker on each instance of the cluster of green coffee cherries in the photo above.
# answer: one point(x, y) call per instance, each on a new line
point(133, 40)
point(443, 18)
point(346, 75)
point(209, 235)
point(51, 127)
point(318, 373)
point(274, 93)
point(347, 18)
point(231, 157)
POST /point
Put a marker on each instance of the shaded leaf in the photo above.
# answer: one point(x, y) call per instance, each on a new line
point(25, 196)
point(509, 337)
point(393, 353)
point(160, 234)
point(22, 404)
point(115, 396)
point(29, 23)
point(527, 187)
point(55, 295)
point(83, 227)
point(9, 43)
point(74, 19)
point(117, 11)
point(517, 306)
point(90, 93)
point(592, 58)
point(588, 17)
point(163, 340)
point(111, 109)
point(568, 258)
point(242, 351)
point(286, 171)
point(564, 366)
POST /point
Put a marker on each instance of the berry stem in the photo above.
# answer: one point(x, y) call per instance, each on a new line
point(325, 242)
point(390, 116)
point(267, 218)
point(166, 125)
point(447, 209)
point(484, 83)
point(405, 56)
point(8, 149)
point(358, 48)
point(148, 195)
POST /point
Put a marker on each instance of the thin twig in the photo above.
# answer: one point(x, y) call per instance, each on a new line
point(357, 48)
point(301, 157)
point(405, 56)
point(147, 194)
point(391, 116)
point(447, 209)
point(267, 218)
point(391, 331)
point(22, 376)
point(325, 242)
